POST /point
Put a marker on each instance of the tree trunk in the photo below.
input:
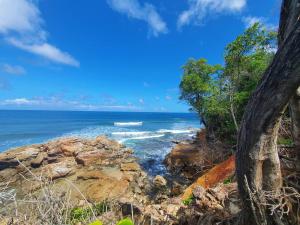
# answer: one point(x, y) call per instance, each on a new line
point(295, 115)
point(257, 161)
point(234, 118)
point(290, 18)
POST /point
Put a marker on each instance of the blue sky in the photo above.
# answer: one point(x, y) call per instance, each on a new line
point(113, 55)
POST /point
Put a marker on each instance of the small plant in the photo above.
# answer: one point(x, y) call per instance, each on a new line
point(228, 180)
point(100, 208)
point(188, 201)
point(79, 214)
point(125, 222)
point(97, 222)
point(285, 141)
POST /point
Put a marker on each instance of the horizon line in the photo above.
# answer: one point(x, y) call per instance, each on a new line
point(73, 110)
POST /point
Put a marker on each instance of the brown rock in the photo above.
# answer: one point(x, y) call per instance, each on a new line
point(54, 152)
point(106, 188)
point(52, 159)
point(6, 164)
point(128, 208)
point(89, 157)
point(176, 189)
point(71, 147)
point(104, 142)
point(159, 181)
point(90, 175)
point(214, 176)
point(28, 153)
point(38, 160)
point(58, 170)
point(133, 166)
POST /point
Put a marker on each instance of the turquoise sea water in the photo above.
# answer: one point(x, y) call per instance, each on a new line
point(149, 134)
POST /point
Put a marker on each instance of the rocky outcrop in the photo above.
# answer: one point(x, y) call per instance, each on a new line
point(92, 171)
point(190, 159)
point(213, 177)
point(99, 168)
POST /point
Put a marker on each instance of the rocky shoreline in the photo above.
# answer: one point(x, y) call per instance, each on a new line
point(104, 170)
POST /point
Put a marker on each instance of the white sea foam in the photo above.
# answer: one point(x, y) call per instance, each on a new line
point(163, 131)
point(141, 137)
point(126, 124)
point(130, 134)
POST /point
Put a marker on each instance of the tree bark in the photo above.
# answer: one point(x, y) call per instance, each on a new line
point(295, 115)
point(290, 19)
point(257, 161)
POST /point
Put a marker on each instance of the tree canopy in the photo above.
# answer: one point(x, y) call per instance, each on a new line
point(219, 93)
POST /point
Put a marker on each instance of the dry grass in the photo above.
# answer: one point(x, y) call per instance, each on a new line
point(283, 206)
point(45, 207)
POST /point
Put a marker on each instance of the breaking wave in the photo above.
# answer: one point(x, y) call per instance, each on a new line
point(127, 124)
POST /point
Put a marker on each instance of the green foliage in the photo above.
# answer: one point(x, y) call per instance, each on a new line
point(125, 222)
point(97, 222)
point(285, 141)
point(228, 180)
point(219, 94)
point(188, 201)
point(79, 214)
point(122, 222)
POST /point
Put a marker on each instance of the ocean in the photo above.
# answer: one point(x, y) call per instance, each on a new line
point(150, 135)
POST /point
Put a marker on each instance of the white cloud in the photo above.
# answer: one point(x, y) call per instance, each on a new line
point(145, 12)
point(60, 103)
point(251, 20)
point(13, 69)
point(21, 24)
point(199, 9)
point(19, 101)
point(19, 16)
point(46, 50)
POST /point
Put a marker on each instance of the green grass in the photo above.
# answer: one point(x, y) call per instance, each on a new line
point(188, 201)
point(80, 214)
point(228, 180)
point(285, 141)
